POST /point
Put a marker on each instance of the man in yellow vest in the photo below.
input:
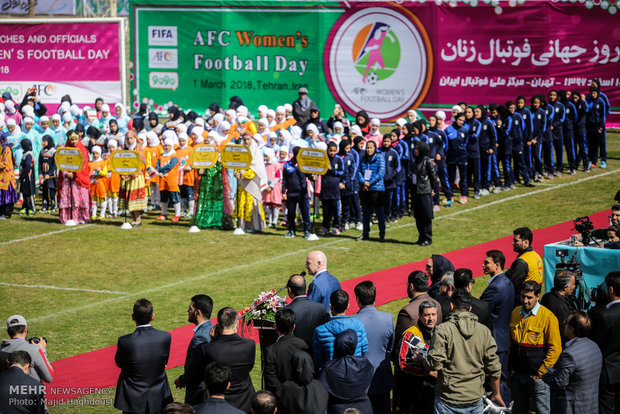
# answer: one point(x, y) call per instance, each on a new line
point(528, 265)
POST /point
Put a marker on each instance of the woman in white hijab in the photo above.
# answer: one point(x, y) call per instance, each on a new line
point(249, 208)
point(122, 118)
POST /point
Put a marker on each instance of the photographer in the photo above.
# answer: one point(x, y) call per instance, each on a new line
point(557, 300)
point(613, 237)
point(614, 219)
point(40, 368)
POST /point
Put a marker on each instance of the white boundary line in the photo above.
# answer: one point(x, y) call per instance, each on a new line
point(36, 236)
point(305, 250)
point(62, 288)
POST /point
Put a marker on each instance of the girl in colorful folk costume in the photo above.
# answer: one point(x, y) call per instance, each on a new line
point(133, 191)
point(168, 171)
point(74, 187)
point(272, 195)
point(186, 175)
point(113, 181)
point(8, 185)
point(248, 208)
point(98, 168)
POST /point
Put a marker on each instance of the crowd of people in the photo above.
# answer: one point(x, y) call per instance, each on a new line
point(370, 174)
point(447, 351)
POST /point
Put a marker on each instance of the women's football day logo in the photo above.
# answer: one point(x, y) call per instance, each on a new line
point(379, 59)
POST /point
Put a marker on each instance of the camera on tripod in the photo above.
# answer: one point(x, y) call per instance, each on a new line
point(584, 226)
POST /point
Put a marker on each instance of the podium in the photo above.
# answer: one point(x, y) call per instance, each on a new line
point(267, 335)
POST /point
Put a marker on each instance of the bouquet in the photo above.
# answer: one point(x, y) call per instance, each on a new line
point(264, 306)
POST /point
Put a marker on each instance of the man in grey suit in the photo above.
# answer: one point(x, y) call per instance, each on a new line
point(308, 314)
point(198, 313)
point(574, 377)
point(380, 333)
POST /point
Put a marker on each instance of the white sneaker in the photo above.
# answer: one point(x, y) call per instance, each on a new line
point(359, 226)
point(347, 226)
point(484, 192)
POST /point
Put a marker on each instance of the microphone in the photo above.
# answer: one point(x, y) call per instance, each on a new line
point(303, 274)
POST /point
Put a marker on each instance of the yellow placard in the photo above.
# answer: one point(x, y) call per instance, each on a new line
point(204, 156)
point(125, 162)
point(69, 159)
point(313, 161)
point(236, 156)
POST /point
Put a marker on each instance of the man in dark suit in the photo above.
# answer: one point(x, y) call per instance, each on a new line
point(576, 373)
point(239, 353)
point(278, 367)
point(308, 314)
point(605, 334)
point(19, 392)
point(198, 313)
point(464, 279)
point(142, 357)
point(499, 295)
point(217, 380)
point(380, 333)
point(557, 301)
point(324, 283)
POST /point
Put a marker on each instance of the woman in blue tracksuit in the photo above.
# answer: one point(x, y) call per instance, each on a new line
point(539, 128)
point(372, 189)
point(473, 151)
point(456, 154)
point(557, 130)
point(607, 111)
point(330, 191)
point(505, 145)
point(390, 178)
point(348, 184)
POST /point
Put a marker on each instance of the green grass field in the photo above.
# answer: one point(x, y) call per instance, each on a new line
point(110, 268)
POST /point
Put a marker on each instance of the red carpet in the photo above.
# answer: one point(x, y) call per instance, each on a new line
point(84, 373)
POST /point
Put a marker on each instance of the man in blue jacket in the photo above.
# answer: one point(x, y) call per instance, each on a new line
point(324, 283)
point(380, 333)
point(325, 335)
point(500, 296)
point(198, 313)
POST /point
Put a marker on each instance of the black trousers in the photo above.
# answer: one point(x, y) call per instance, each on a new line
point(390, 209)
point(423, 212)
point(558, 147)
point(331, 213)
point(595, 142)
point(473, 174)
point(304, 207)
point(462, 177)
point(520, 166)
point(6, 210)
point(582, 148)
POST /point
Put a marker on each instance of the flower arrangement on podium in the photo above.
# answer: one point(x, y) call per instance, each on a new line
point(264, 307)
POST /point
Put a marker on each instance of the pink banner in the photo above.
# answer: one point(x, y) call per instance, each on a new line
point(60, 52)
point(479, 52)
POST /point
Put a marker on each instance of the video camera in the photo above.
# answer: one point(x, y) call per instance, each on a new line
point(584, 226)
point(581, 295)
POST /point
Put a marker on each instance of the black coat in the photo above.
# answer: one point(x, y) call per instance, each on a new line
point(31, 401)
point(142, 357)
point(481, 309)
point(426, 177)
point(238, 353)
point(308, 315)
point(605, 333)
point(278, 367)
point(559, 306)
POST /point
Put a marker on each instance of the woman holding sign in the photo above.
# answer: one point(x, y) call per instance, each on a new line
point(8, 184)
point(133, 192)
point(74, 187)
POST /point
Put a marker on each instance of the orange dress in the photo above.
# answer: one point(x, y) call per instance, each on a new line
point(155, 153)
point(170, 182)
point(185, 177)
point(98, 188)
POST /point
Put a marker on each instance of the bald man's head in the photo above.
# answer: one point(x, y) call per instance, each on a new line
point(296, 286)
point(316, 262)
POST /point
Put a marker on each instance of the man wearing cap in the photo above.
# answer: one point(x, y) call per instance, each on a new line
point(17, 329)
point(301, 107)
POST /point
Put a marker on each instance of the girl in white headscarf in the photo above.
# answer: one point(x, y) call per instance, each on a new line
point(272, 195)
point(121, 117)
point(249, 208)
